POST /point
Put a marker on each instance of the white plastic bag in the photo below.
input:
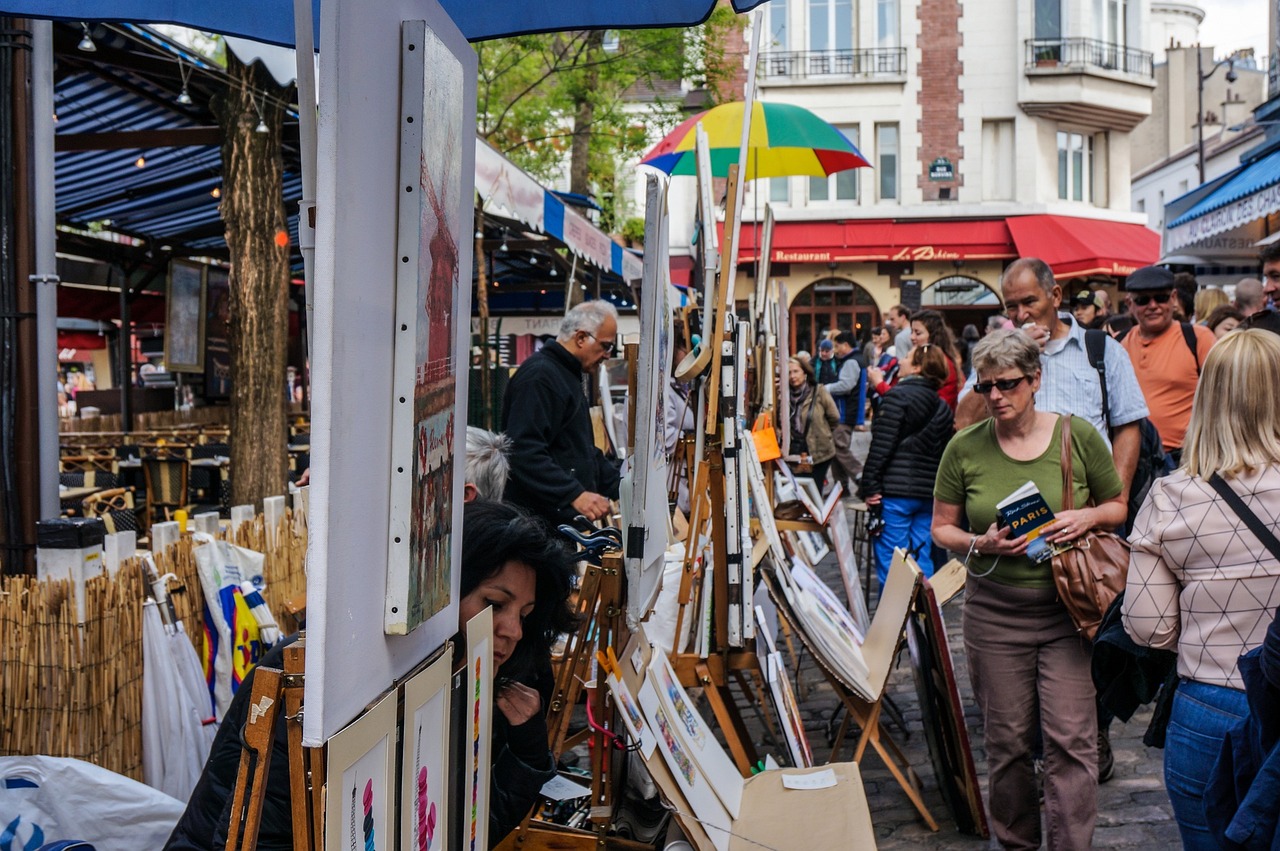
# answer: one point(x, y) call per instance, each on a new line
point(232, 641)
point(46, 799)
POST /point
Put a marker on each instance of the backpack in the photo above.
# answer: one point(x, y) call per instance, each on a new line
point(1153, 461)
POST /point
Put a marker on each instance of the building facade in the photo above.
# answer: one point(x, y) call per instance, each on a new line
point(995, 129)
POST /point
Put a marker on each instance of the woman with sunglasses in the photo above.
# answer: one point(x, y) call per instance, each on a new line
point(1027, 663)
point(909, 432)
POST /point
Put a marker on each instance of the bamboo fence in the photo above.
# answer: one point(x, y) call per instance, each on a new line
point(75, 690)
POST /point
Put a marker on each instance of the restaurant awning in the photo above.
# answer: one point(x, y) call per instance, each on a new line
point(1076, 247)
point(1073, 247)
point(881, 240)
point(1248, 194)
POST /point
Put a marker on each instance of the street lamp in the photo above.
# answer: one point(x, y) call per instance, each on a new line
point(1201, 77)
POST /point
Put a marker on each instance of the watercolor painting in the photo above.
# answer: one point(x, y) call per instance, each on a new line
point(424, 757)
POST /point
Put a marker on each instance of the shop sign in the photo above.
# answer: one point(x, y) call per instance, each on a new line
point(926, 252)
point(1249, 208)
point(942, 169)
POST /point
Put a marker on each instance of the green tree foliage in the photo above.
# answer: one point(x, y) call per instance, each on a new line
point(589, 99)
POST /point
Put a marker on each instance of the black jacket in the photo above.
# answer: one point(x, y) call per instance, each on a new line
point(553, 454)
point(908, 434)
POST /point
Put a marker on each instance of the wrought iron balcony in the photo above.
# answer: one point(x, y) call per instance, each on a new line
point(1078, 53)
point(834, 64)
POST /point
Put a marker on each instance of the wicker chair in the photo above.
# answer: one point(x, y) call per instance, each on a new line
point(115, 508)
point(166, 479)
point(88, 463)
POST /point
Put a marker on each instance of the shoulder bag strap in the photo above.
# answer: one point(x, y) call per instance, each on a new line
point(1242, 511)
point(1068, 479)
point(1095, 345)
point(1189, 334)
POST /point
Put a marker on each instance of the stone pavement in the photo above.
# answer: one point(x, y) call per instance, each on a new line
point(1133, 810)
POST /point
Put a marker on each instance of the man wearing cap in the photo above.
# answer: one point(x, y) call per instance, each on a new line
point(1166, 355)
point(849, 390)
point(1087, 308)
point(826, 368)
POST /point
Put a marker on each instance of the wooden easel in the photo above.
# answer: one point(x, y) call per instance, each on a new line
point(306, 765)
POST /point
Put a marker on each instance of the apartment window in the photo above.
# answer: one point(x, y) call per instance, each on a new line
point(1142, 205)
point(1115, 22)
point(997, 160)
point(1075, 166)
point(777, 12)
point(779, 190)
point(830, 25)
point(887, 161)
point(841, 186)
point(1048, 19)
point(887, 31)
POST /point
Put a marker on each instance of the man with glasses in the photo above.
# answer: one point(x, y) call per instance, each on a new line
point(1166, 355)
point(556, 470)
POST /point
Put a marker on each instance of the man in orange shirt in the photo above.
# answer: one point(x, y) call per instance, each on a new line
point(1166, 355)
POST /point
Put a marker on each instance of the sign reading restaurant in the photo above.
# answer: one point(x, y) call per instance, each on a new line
point(1249, 208)
point(907, 253)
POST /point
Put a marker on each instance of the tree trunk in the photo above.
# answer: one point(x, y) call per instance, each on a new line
point(253, 213)
point(583, 119)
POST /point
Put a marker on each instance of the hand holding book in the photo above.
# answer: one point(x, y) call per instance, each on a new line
point(1000, 541)
point(1027, 514)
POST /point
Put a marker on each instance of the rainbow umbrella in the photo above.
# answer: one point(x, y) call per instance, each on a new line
point(785, 140)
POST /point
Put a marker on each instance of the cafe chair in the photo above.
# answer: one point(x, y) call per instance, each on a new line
point(166, 479)
point(115, 508)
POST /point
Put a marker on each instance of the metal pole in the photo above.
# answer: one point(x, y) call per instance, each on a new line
point(45, 278)
point(1199, 113)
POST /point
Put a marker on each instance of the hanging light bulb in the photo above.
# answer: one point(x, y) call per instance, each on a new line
point(262, 126)
point(86, 42)
point(554, 273)
point(217, 192)
point(141, 161)
point(503, 248)
point(184, 98)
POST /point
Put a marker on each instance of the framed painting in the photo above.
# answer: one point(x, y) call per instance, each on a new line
point(361, 770)
point(424, 757)
point(478, 746)
point(184, 318)
point(432, 330)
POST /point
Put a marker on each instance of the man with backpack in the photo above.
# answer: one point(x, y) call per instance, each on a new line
point(1166, 355)
point(849, 390)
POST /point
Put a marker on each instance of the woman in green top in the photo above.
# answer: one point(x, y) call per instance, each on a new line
point(1027, 663)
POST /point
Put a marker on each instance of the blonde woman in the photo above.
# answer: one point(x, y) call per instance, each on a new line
point(1200, 582)
point(1207, 300)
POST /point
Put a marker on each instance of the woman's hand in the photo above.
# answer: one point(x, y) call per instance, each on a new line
point(996, 542)
point(1069, 525)
point(518, 702)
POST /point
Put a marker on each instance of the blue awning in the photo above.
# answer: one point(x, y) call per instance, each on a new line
point(1249, 180)
point(272, 20)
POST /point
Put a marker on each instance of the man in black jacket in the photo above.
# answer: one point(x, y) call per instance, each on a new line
point(556, 470)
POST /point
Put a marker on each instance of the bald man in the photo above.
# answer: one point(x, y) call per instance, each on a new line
point(1250, 297)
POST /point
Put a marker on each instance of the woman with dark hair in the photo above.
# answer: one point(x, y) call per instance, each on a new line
point(908, 434)
point(813, 416)
point(1223, 319)
point(928, 328)
point(512, 563)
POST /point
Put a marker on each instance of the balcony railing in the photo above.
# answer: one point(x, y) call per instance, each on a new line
point(834, 64)
point(1077, 52)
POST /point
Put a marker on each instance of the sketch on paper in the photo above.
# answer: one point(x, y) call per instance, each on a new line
point(360, 757)
point(424, 781)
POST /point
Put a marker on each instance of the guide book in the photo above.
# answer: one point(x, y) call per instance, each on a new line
point(1025, 512)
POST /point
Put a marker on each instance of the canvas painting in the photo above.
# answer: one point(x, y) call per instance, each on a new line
point(424, 778)
point(432, 300)
point(361, 781)
point(479, 704)
point(184, 325)
point(632, 718)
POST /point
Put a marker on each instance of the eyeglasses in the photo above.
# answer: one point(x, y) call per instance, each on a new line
point(983, 388)
point(607, 345)
point(1145, 299)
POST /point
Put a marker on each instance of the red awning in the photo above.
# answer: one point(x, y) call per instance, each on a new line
point(81, 340)
point(1075, 247)
point(881, 240)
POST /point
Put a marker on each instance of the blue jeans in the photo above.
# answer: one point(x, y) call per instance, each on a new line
point(906, 525)
point(1202, 714)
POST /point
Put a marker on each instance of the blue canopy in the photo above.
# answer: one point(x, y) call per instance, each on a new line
point(272, 20)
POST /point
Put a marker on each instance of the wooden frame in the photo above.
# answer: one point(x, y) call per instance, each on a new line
point(361, 773)
point(185, 317)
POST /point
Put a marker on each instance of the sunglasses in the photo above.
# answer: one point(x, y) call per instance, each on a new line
point(1145, 299)
point(984, 388)
point(607, 345)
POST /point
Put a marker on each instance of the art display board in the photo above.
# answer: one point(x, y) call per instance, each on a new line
point(432, 231)
point(424, 756)
point(760, 499)
point(942, 712)
point(763, 257)
point(784, 355)
point(478, 746)
point(350, 658)
point(805, 808)
point(842, 543)
point(647, 515)
point(783, 698)
point(360, 779)
point(737, 527)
